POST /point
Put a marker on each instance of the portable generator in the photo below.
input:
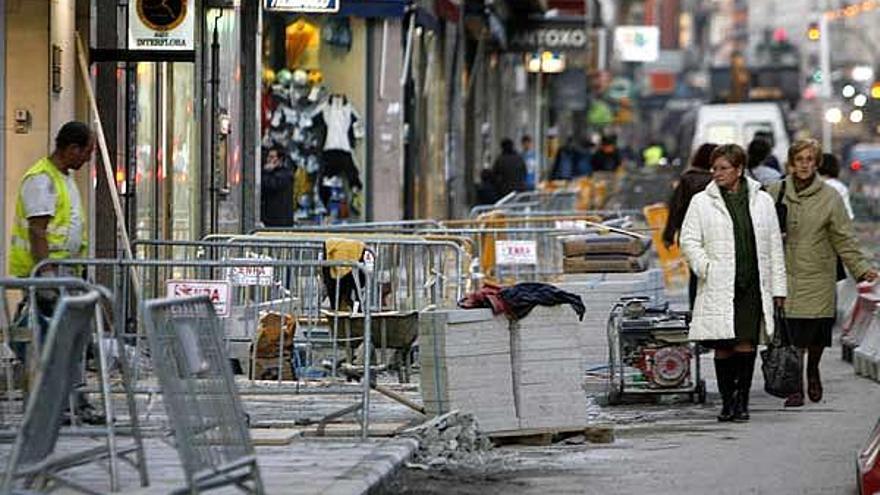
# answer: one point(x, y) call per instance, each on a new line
point(649, 351)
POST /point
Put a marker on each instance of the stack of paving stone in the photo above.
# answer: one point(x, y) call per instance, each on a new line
point(465, 365)
point(600, 292)
point(547, 368)
point(605, 253)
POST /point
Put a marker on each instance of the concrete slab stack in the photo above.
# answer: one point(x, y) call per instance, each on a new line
point(510, 375)
point(547, 368)
point(600, 292)
point(465, 359)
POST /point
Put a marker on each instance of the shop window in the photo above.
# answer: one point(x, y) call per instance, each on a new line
point(313, 109)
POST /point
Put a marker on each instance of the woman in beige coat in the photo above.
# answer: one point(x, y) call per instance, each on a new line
point(732, 243)
point(818, 231)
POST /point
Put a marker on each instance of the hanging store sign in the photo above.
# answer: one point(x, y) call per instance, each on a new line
point(327, 6)
point(516, 252)
point(637, 43)
point(216, 290)
point(167, 25)
point(550, 38)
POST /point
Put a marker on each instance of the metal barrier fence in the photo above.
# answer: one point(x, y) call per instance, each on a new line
point(317, 330)
point(293, 290)
point(392, 227)
point(56, 364)
point(413, 272)
point(199, 393)
point(526, 248)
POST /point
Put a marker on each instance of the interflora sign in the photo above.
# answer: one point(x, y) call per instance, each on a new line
point(303, 5)
point(161, 25)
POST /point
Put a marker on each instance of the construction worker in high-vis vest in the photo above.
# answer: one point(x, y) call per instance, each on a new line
point(49, 220)
point(50, 224)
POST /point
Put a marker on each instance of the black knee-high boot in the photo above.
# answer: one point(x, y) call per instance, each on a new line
point(725, 372)
point(745, 372)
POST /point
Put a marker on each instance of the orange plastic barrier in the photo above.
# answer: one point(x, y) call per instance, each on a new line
point(675, 270)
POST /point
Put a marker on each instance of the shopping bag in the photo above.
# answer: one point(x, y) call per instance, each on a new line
point(781, 361)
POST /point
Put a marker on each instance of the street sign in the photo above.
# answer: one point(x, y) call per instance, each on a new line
point(303, 5)
point(216, 290)
point(637, 43)
point(164, 26)
point(516, 252)
point(250, 275)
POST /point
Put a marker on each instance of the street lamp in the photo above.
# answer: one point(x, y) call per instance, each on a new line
point(848, 91)
point(860, 100)
point(856, 116)
point(833, 115)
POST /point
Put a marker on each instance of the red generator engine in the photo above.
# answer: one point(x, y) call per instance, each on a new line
point(649, 351)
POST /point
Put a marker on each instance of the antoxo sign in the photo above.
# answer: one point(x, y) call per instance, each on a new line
point(550, 38)
point(161, 25)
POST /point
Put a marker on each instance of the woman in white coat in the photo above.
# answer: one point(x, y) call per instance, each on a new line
point(732, 242)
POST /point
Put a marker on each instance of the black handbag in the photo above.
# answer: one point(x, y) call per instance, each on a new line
point(781, 362)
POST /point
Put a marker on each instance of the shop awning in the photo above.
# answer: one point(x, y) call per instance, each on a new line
point(373, 8)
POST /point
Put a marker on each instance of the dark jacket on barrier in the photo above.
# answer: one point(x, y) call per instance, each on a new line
point(692, 181)
point(518, 301)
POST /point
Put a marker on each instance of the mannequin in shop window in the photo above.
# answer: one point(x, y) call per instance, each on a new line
point(340, 181)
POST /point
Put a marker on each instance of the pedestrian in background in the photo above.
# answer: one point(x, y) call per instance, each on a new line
point(732, 242)
point(818, 231)
point(276, 190)
point(486, 192)
point(759, 151)
point(692, 181)
point(530, 157)
point(829, 170)
point(509, 170)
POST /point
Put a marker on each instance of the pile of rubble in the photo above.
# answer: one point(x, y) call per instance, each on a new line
point(453, 438)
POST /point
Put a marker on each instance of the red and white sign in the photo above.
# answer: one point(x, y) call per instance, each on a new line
point(216, 290)
point(516, 252)
point(572, 225)
point(250, 275)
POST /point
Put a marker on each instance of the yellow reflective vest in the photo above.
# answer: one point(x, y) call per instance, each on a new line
point(21, 262)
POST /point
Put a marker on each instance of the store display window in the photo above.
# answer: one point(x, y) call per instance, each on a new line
point(313, 107)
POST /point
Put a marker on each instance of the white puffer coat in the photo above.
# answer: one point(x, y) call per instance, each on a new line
point(707, 242)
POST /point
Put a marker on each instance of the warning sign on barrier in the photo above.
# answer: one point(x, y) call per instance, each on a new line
point(216, 290)
point(516, 252)
point(250, 275)
point(572, 225)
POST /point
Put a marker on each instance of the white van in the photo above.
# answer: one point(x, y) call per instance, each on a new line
point(738, 122)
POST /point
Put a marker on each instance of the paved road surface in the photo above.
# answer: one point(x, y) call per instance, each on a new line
point(682, 449)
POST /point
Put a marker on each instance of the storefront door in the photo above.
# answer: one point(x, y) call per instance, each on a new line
point(163, 152)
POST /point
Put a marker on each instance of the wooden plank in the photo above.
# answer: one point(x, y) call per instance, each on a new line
point(546, 436)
